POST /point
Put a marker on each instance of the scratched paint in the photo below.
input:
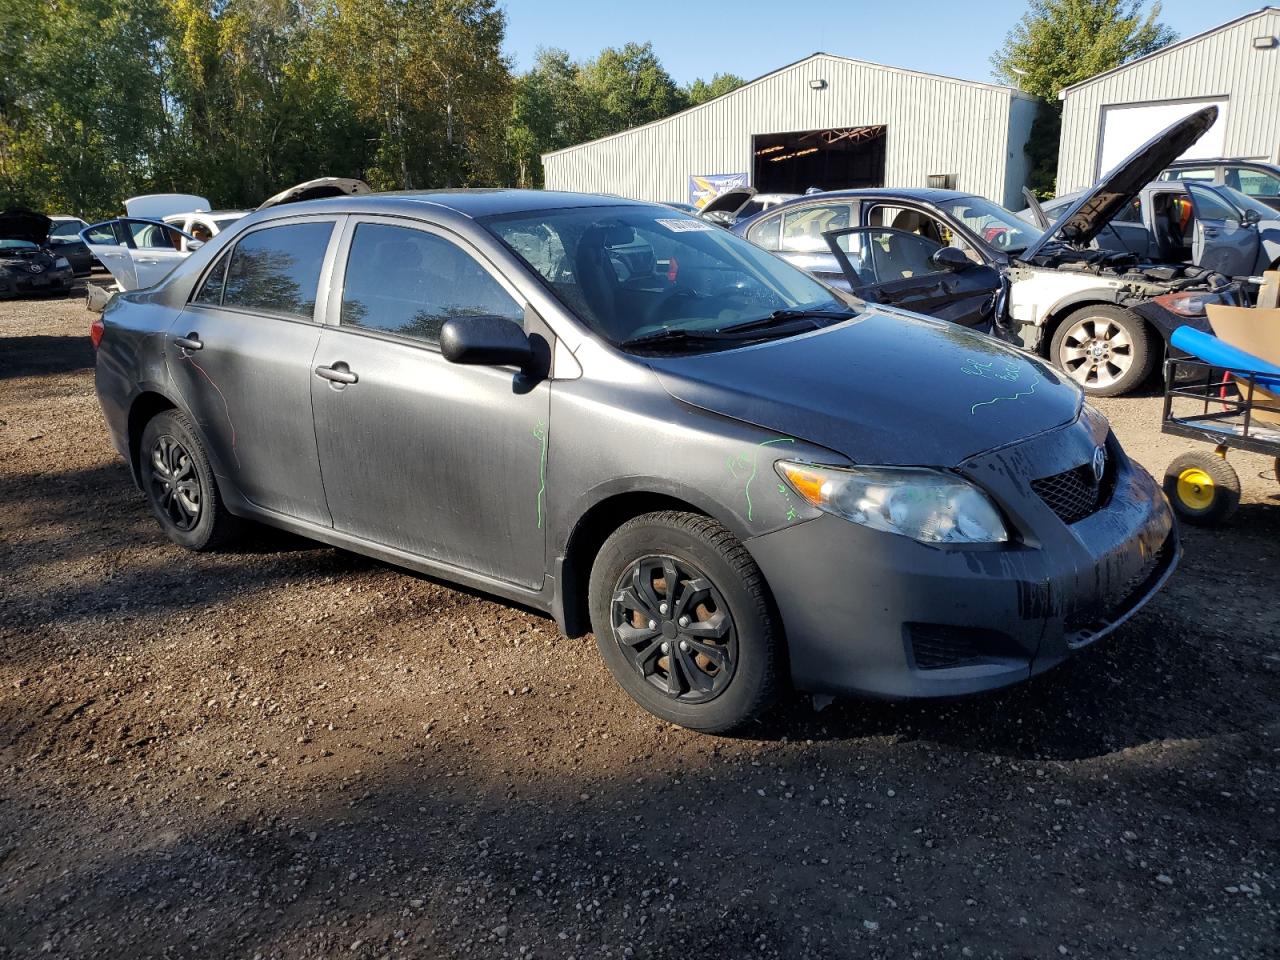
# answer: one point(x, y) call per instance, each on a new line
point(1002, 370)
point(540, 434)
point(225, 406)
point(747, 464)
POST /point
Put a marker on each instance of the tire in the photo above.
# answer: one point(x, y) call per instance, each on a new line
point(1105, 349)
point(711, 669)
point(177, 479)
point(1203, 488)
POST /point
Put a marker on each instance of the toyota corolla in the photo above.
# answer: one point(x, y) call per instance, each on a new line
point(740, 481)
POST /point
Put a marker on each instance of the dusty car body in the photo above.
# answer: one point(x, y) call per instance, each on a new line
point(1102, 317)
point(645, 426)
point(27, 264)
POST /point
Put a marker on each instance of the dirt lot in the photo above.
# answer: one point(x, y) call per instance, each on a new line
point(293, 751)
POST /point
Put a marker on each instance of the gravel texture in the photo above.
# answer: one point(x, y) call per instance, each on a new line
point(293, 751)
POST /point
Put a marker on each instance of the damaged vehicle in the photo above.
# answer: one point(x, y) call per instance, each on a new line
point(161, 229)
point(1103, 317)
point(27, 263)
point(645, 426)
point(740, 203)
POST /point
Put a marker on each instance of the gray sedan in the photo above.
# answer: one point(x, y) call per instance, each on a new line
point(645, 426)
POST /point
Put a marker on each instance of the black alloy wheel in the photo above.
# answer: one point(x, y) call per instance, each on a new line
point(175, 485)
point(674, 626)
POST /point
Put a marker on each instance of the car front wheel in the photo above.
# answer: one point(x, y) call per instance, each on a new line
point(683, 621)
point(1105, 349)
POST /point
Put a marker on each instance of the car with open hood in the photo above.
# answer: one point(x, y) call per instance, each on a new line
point(161, 229)
point(28, 265)
point(1186, 222)
point(740, 203)
point(649, 428)
point(1102, 316)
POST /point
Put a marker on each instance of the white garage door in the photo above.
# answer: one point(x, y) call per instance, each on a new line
point(1127, 127)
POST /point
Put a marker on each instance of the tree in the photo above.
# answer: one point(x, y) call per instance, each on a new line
point(626, 88)
point(1061, 42)
point(700, 91)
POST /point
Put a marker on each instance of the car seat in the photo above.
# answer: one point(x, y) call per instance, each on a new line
point(910, 221)
point(597, 280)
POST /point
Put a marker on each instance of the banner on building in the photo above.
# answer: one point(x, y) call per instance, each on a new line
point(703, 188)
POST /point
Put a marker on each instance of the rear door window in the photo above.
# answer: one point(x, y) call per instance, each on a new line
point(277, 269)
point(409, 282)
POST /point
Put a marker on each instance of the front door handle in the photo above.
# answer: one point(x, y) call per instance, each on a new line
point(190, 342)
point(338, 373)
point(141, 260)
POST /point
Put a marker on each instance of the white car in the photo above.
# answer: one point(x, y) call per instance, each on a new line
point(141, 248)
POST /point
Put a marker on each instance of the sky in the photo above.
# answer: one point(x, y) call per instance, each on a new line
point(953, 38)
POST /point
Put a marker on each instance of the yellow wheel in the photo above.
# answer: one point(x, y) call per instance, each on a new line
point(1202, 488)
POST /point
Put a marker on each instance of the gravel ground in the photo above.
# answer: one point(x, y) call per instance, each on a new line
point(292, 751)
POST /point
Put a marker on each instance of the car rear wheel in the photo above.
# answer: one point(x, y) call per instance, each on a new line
point(1203, 488)
point(180, 486)
point(1103, 348)
point(683, 621)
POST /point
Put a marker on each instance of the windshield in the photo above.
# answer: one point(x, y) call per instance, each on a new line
point(223, 222)
point(67, 228)
point(632, 272)
point(1001, 228)
point(16, 245)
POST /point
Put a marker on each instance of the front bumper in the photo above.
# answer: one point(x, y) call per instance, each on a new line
point(877, 614)
point(15, 282)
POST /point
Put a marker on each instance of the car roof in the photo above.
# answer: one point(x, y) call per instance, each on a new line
point(470, 203)
point(923, 194)
point(1214, 161)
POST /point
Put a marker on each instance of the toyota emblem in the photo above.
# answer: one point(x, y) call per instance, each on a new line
point(36, 268)
point(1099, 463)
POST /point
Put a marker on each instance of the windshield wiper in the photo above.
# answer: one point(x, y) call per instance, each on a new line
point(789, 315)
point(663, 337)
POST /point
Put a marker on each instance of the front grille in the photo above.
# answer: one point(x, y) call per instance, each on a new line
point(1075, 494)
point(937, 646)
point(1085, 624)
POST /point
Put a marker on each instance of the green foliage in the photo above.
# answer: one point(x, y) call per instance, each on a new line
point(1061, 42)
point(700, 91)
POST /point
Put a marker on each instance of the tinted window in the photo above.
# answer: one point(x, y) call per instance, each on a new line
point(409, 283)
point(1254, 183)
point(67, 228)
point(277, 270)
point(210, 291)
point(1209, 206)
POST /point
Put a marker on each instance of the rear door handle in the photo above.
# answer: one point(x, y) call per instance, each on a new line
point(190, 342)
point(338, 373)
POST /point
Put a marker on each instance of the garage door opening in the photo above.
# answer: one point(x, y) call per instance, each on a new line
point(842, 159)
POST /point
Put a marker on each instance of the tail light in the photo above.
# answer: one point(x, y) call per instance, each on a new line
point(96, 330)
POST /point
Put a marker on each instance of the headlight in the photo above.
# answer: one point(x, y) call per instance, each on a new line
point(1187, 304)
point(61, 263)
point(927, 505)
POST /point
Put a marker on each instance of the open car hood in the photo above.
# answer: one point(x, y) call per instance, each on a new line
point(157, 206)
point(317, 189)
point(1086, 218)
point(17, 223)
point(728, 204)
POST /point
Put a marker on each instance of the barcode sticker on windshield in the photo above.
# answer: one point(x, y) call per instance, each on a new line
point(685, 226)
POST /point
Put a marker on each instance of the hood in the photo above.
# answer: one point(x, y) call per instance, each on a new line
point(885, 388)
point(157, 206)
point(728, 204)
point(17, 223)
point(1087, 216)
point(317, 189)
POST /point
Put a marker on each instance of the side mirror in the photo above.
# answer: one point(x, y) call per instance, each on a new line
point(950, 258)
point(194, 245)
point(485, 341)
point(1251, 217)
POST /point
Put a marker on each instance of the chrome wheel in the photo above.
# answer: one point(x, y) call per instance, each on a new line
point(175, 484)
point(1096, 352)
point(674, 627)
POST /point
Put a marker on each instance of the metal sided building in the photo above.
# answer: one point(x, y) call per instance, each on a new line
point(825, 121)
point(1235, 65)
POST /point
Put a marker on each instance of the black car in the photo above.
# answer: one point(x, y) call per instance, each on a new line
point(27, 265)
point(64, 240)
